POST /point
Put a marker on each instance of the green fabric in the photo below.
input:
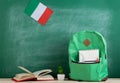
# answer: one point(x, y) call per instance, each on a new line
point(87, 71)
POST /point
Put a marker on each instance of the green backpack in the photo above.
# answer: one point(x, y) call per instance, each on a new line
point(88, 40)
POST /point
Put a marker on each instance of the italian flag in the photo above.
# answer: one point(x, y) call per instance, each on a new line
point(38, 11)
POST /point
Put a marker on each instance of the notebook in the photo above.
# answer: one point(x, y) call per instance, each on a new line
point(89, 56)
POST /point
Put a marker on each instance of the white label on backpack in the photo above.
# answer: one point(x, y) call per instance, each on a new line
point(89, 56)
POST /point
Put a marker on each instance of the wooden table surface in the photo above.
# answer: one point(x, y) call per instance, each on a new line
point(110, 80)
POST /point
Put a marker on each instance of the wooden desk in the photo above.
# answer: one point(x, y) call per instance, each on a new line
point(110, 80)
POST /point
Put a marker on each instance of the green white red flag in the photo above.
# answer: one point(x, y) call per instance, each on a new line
point(38, 11)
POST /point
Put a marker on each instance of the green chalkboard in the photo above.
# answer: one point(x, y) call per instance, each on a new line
point(25, 42)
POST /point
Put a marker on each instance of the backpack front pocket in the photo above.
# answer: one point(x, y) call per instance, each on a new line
point(84, 71)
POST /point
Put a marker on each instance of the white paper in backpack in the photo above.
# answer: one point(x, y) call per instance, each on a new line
point(89, 56)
